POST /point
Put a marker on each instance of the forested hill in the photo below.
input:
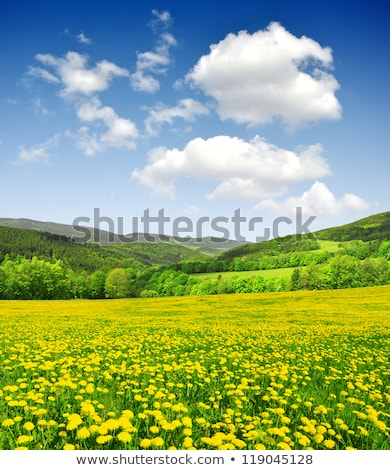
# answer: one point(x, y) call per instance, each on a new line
point(90, 257)
point(208, 245)
point(375, 227)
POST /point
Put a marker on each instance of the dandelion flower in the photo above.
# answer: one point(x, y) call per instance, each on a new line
point(157, 442)
point(103, 439)
point(260, 447)
point(329, 443)
point(7, 423)
point(145, 443)
point(83, 433)
point(29, 426)
point(124, 437)
point(69, 447)
point(23, 439)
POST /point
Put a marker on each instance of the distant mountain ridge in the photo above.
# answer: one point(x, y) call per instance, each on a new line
point(209, 245)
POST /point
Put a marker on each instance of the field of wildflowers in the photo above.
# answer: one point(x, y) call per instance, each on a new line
point(296, 370)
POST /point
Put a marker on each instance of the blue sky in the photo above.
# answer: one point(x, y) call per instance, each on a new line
point(196, 108)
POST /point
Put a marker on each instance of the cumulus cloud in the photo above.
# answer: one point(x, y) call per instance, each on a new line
point(156, 61)
point(243, 170)
point(318, 200)
point(270, 74)
point(119, 132)
point(39, 154)
point(73, 73)
point(186, 109)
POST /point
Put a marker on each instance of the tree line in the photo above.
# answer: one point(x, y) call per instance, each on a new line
point(36, 278)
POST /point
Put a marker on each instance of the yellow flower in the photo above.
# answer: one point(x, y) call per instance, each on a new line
point(284, 446)
point(187, 422)
point(363, 431)
point(29, 426)
point(124, 437)
point(7, 423)
point(23, 439)
point(304, 441)
point(69, 447)
point(74, 420)
point(187, 442)
point(154, 429)
point(380, 425)
point(145, 443)
point(260, 447)
point(157, 442)
point(93, 429)
point(103, 439)
point(329, 443)
point(83, 433)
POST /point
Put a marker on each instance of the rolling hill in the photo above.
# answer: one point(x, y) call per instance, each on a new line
point(208, 245)
point(90, 257)
point(374, 227)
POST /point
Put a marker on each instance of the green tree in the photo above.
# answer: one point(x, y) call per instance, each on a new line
point(384, 250)
point(98, 281)
point(117, 285)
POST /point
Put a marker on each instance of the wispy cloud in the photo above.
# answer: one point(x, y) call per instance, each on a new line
point(154, 62)
point(39, 72)
point(186, 109)
point(83, 39)
point(40, 107)
point(38, 154)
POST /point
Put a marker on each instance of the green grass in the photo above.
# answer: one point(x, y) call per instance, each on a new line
point(265, 273)
point(329, 245)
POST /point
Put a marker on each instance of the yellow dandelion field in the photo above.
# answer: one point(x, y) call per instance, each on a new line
point(297, 370)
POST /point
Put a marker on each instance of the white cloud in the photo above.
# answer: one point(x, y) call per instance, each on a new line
point(87, 142)
point(161, 19)
point(83, 39)
point(39, 72)
point(120, 132)
point(318, 200)
point(187, 109)
point(155, 61)
point(270, 74)
point(79, 84)
point(40, 106)
point(74, 74)
point(39, 154)
point(243, 170)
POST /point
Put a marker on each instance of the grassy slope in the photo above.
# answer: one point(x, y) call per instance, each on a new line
point(265, 273)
